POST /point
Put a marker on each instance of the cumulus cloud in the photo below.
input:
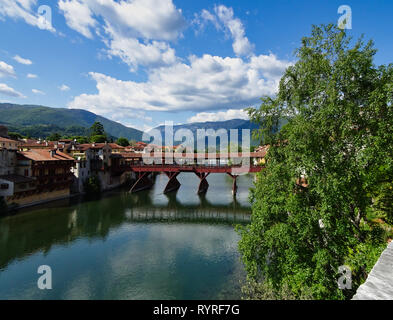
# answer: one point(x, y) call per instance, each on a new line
point(35, 91)
point(134, 53)
point(125, 24)
point(22, 60)
point(64, 87)
point(78, 16)
point(31, 76)
point(23, 9)
point(205, 83)
point(150, 19)
point(204, 18)
point(8, 91)
point(6, 70)
point(201, 84)
point(219, 116)
point(241, 45)
point(223, 18)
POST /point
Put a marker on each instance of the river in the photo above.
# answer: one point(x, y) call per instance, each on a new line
point(130, 246)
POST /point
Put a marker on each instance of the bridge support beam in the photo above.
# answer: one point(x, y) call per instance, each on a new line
point(173, 184)
point(234, 185)
point(143, 182)
point(203, 184)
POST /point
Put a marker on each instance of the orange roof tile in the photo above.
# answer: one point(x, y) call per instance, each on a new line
point(7, 140)
point(45, 155)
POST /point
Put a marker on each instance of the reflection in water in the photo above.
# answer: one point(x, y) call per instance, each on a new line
point(129, 246)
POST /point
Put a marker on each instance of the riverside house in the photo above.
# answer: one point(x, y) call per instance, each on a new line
point(40, 175)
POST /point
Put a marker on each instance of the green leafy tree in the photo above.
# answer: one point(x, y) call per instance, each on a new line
point(98, 138)
point(81, 139)
point(3, 206)
point(97, 129)
point(15, 135)
point(310, 204)
point(97, 133)
point(92, 186)
point(54, 137)
point(123, 142)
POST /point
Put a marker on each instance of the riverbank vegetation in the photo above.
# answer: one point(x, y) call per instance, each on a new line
point(325, 197)
point(92, 187)
point(3, 207)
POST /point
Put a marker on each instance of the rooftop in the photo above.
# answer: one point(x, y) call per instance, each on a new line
point(45, 155)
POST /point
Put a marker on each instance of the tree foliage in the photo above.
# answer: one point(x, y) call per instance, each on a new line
point(324, 169)
point(123, 142)
point(97, 129)
point(92, 186)
point(99, 138)
point(3, 206)
point(54, 137)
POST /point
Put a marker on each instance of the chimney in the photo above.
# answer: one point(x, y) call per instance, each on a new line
point(53, 153)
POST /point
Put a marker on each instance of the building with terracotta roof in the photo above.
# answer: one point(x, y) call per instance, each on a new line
point(9, 144)
point(139, 146)
point(40, 175)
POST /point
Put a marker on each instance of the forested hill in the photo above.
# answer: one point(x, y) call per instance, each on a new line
point(40, 121)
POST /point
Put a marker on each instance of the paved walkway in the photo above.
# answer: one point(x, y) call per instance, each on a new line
point(379, 283)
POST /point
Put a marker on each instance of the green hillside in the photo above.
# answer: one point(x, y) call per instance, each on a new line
point(43, 121)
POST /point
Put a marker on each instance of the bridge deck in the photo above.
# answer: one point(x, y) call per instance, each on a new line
point(197, 169)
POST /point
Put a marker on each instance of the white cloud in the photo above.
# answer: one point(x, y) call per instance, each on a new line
point(22, 60)
point(31, 76)
point(78, 16)
point(241, 45)
point(35, 91)
point(8, 91)
point(134, 31)
point(23, 9)
point(134, 53)
point(223, 18)
point(64, 87)
point(219, 116)
point(6, 70)
point(205, 17)
point(150, 19)
point(205, 83)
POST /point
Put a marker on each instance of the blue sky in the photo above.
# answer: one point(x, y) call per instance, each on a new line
point(142, 62)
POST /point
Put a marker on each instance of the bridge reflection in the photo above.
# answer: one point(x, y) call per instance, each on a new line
point(64, 222)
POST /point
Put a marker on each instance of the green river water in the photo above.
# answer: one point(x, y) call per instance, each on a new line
point(130, 246)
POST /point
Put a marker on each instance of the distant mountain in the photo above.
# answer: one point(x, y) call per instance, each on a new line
point(215, 125)
point(44, 120)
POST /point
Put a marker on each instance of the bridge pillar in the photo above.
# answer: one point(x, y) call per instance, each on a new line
point(173, 184)
point(203, 184)
point(143, 182)
point(234, 185)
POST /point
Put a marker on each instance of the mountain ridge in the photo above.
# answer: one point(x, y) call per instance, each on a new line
point(17, 116)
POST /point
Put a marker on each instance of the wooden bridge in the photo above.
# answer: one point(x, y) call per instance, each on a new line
point(172, 171)
point(201, 164)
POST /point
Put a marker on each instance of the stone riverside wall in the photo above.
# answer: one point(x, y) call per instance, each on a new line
point(40, 198)
point(379, 283)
